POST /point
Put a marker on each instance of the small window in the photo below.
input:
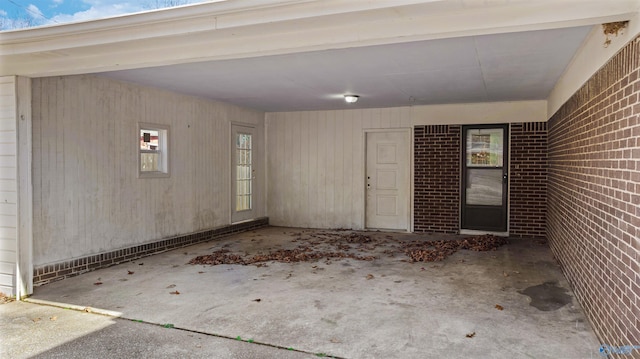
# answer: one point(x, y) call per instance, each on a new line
point(153, 156)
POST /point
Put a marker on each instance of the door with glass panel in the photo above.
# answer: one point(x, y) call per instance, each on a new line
point(485, 177)
point(242, 173)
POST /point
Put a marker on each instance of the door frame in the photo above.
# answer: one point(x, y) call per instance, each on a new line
point(506, 171)
point(232, 194)
point(363, 186)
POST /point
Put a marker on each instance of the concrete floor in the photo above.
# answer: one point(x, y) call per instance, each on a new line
point(30, 330)
point(384, 308)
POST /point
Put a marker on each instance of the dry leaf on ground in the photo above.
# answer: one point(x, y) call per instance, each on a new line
point(5, 298)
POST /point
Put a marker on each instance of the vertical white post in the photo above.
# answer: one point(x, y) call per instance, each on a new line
point(24, 271)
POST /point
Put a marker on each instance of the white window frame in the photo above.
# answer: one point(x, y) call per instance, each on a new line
point(163, 150)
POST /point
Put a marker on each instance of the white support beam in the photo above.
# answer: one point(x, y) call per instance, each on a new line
point(24, 271)
point(237, 29)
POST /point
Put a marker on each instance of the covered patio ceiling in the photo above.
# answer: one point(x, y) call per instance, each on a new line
point(305, 55)
point(501, 67)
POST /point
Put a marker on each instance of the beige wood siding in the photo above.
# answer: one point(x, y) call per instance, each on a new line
point(316, 165)
point(316, 158)
point(87, 195)
point(8, 185)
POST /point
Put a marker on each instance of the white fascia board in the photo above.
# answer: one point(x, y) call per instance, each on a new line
point(258, 28)
point(179, 21)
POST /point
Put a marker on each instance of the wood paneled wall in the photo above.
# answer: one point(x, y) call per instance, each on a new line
point(87, 195)
point(316, 165)
point(8, 185)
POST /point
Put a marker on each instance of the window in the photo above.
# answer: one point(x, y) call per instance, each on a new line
point(153, 156)
point(244, 173)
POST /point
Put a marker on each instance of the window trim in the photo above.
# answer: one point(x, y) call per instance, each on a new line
point(163, 151)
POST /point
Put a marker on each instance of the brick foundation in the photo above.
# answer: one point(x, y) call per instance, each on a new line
point(57, 271)
point(593, 210)
point(437, 178)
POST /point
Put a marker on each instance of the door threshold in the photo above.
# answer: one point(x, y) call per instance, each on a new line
point(481, 233)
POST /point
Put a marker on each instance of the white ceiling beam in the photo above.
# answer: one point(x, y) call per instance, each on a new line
point(248, 28)
point(205, 17)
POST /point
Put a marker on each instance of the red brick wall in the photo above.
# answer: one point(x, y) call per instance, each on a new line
point(528, 182)
point(437, 178)
point(593, 211)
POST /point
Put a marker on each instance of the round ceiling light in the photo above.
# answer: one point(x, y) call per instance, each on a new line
point(351, 98)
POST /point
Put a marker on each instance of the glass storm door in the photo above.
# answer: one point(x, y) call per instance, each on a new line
point(485, 181)
point(242, 173)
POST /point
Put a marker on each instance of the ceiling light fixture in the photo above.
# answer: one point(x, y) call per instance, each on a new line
point(351, 98)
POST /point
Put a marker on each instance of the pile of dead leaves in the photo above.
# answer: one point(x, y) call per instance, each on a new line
point(4, 299)
point(357, 238)
point(221, 256)
point(299, 254)
point(434, 251)
point(431, 251)
point(484, 243)
point(353, 245)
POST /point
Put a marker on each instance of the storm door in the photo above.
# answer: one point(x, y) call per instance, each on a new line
point(485, 177)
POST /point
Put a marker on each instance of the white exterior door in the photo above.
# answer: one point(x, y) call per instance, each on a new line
point(388, 180)
point(243, 142)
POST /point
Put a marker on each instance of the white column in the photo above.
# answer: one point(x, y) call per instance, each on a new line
point(24, 275)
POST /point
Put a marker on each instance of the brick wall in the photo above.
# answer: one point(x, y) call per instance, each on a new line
point(437, 178)
point(61, 270)
point(593, 210)
point(528, 180)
